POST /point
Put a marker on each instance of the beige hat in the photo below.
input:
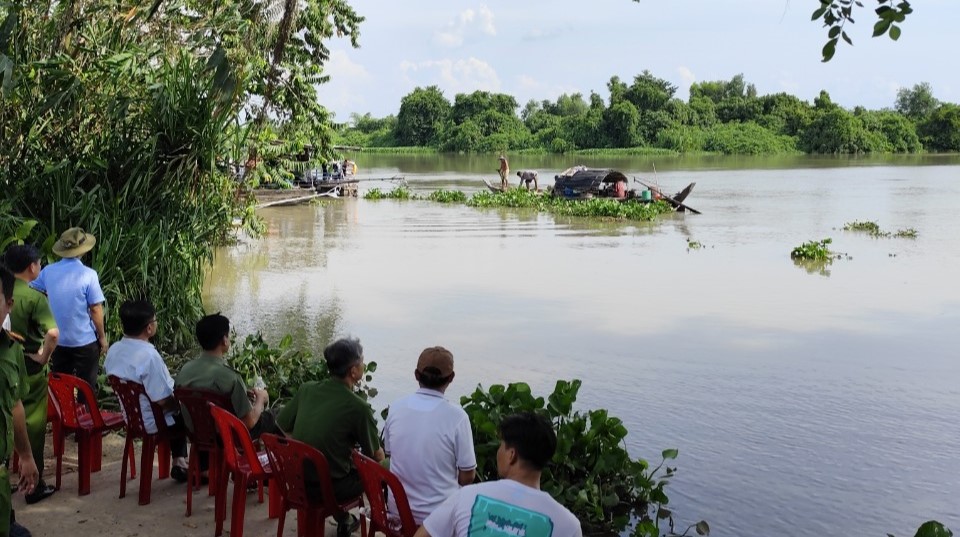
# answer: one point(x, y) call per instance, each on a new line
point(436, 361)
point(74, 243)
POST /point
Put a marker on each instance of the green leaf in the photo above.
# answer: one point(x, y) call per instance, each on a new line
point(881, 27)
point(829, 50)
point(834, 32)
point(895, 32)
point(670, 454)
point(846, 38)
point(819, 12)
point(932, 528)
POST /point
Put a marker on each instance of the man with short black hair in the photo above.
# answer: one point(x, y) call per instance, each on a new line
point(32, 320)
point(135, 359)
point(209, 371)
point(13, 426)
point(76, 300)
point(428, 438)
point(515, 502)
point(329, 416)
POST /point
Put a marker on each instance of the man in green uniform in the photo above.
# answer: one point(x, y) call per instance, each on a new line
point(32, 320)
point(209, 371)
point(13, 427)
point(330, 417)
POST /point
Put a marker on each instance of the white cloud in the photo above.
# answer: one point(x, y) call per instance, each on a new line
point(341, 66)
point(452, 76)
point(686, 75)
point(468, 24)
point(346, 79)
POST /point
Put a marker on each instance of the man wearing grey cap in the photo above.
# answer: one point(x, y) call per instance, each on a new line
point(428, 438)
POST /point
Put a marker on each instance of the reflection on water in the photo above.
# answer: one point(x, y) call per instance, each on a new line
point(802, 405)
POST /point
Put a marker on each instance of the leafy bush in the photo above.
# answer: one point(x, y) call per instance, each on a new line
point(283, 367)
point(592, 473)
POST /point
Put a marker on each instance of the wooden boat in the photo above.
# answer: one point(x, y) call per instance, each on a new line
point(494, 188)
point(580, 182)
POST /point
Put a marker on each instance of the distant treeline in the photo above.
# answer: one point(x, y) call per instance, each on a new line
point(719, 117)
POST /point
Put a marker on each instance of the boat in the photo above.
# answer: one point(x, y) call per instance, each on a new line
point(580, 182)
point(495, 188)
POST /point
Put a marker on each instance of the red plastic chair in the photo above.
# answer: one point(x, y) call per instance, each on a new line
point(288, 458)
point(194, 402)
point(244, 463)
point(377, 480)
point(86, 420)
point(130, 394)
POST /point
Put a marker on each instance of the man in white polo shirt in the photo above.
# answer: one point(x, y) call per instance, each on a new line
point(428, 438)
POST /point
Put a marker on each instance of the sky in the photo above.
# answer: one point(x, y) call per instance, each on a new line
point(540, 49)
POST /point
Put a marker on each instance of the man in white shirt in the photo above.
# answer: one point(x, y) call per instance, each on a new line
point(134, 358)
point(428, 438)
point(514, 505)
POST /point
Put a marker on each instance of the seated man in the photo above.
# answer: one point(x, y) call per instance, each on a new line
point(428, 438)
point(209, 371)
point(135, 359)
point(515, 502)
point(329, 416)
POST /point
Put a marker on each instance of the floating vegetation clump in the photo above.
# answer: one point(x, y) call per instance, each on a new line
point(447, 196)
point(526, 199)
point(694, 245)
point(592, 208)
point(399, 193)
point(813, 250)
point(874, 230)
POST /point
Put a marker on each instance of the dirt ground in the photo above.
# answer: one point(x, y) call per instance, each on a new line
point(102, 512)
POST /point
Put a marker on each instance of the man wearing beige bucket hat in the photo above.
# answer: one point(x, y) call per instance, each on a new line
point(76, 300)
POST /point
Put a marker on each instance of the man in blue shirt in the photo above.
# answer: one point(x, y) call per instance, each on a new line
point(76, 300)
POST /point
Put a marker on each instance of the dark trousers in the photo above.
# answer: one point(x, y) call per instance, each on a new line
point(178, 437)
point(83, 362)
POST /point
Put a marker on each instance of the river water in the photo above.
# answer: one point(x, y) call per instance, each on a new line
point(805, 401)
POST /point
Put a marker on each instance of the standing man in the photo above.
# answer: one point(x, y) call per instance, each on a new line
point(135, 359)
point(77, 304)
point(503, 171)
point(13, 427)
point(330, 417)
point(428, 438)
point(32, 319)
point(515, 504)
point(527, 177)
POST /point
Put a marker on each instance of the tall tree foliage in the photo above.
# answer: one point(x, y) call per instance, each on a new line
point(122, 118)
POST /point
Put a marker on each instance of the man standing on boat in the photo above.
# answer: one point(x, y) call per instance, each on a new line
point(428, 438)
point(503, 171)
point(527, 177)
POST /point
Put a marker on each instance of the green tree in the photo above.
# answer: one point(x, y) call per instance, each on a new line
point(941, 132)
point(472, 105)
point(916, 103)
point(784, 113)
point(620, 123)
point(649, 92)
point(422, 113)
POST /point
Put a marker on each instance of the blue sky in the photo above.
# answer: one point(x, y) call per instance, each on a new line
point(538, 49)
